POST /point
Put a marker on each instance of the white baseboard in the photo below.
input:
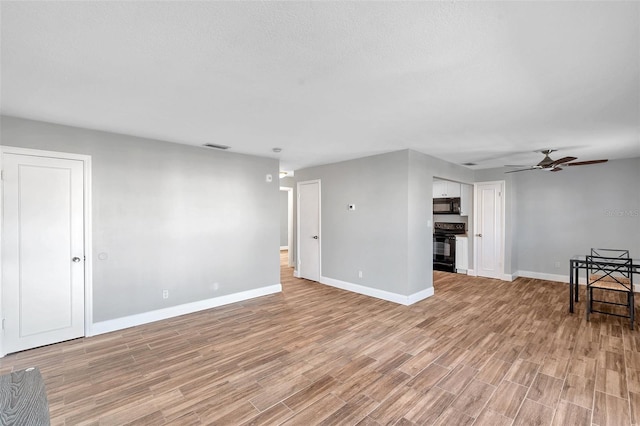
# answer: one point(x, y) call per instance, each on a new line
point(502, 277)
point(560, 278)
point(379, 294)
point(296, 273)
point(174, 311)
point(547, 277)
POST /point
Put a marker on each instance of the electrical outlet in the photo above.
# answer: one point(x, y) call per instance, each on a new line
point(165, 294)
point(359, 274)
point(557, 264)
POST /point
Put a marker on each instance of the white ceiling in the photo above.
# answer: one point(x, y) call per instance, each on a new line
point(483, 82)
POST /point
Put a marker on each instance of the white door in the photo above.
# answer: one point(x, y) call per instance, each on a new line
point(489, 229)
point(42, 250)
point(308, 257)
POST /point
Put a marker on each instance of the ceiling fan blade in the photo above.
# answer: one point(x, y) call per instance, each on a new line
point(523, 170)
point(556, 169)
point(584, 163)
point(563, 160)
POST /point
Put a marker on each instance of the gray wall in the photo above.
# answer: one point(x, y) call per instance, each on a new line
point(552, 216)
point(566, 213)
point(168, 216)
point(420, 234)
point(373, 238)
point(387, 236)
point(284, 218)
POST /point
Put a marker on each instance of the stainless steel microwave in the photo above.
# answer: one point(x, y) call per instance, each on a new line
point(446, 205)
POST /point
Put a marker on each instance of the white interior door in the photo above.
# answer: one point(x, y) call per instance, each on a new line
point(308, 256)
point(489, 229)
point(42, 250)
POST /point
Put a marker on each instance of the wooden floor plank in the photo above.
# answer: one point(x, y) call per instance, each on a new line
point(480, 351)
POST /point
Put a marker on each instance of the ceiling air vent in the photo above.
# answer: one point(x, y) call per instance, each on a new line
point(469, 164)
point(215, 146)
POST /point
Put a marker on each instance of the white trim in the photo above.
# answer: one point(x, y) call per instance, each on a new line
point(88, 235)
point(548, 277)
point(289, 221)
point(296, 273)
point(508, 277)
point(559, 278)
point(88, 249)
point(187, 308)
point(379, 294)
point(421, 295)
point(297, 263)
point(471, 272)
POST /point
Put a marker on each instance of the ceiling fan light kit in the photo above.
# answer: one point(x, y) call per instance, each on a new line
point(555, 165)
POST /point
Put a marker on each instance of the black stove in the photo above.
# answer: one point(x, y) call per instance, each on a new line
point(449, 228)
point(444, 245)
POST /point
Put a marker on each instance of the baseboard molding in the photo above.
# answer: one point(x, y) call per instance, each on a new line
point(502, 277)
point(548, 277)
point(379, 294)
point(296, 273)
point(557, 278)
point(174, 311)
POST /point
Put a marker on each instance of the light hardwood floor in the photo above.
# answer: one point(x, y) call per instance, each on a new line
point(481, 352)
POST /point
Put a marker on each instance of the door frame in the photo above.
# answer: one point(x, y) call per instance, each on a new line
point(296, 270)
point(289, 221)
point(88, 238)
point(476, 226)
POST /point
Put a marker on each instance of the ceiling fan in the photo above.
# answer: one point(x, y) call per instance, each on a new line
point(554, 165)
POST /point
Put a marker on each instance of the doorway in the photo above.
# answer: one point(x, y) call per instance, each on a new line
point(45, 284)
point(489, 229)
point(286, 222)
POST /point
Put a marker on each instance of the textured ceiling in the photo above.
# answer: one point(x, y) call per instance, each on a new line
point(479, 82)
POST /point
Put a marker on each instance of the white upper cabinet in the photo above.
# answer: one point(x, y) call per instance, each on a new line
point(445, 189)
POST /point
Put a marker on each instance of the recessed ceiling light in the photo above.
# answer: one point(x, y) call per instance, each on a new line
point(469, 164)
point(276, 150)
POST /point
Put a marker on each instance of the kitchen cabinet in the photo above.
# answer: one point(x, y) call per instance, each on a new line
point(466, 200)
point(462, 254)
point(445, 189)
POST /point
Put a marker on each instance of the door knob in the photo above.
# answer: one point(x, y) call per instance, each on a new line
point(76, 259)
point(315, 237)
point(478, 235)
